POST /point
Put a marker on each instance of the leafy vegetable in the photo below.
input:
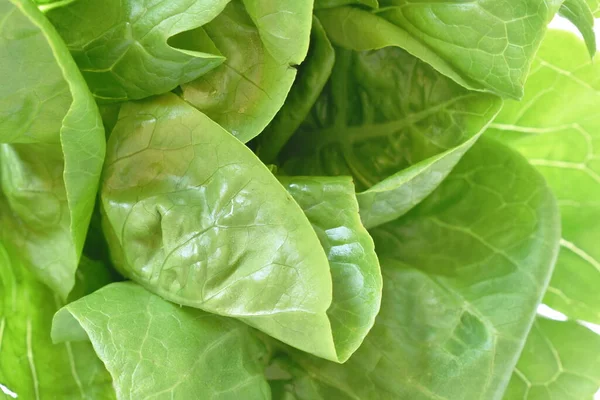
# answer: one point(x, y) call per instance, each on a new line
point(153, 348)
point(126, 54)
point(195, 217)
point(560, 361)
point(53, 146)
point(263, 40)
point(394, 124)
point(487, 236)
point(556, 128)
point(30, 365)
point(298, 200)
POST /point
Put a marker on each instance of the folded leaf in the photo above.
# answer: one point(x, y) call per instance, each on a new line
point(156, 349)
point(131, 52)
point(262, 40)
point(195, 217)
point(394, 124)
point(463, 275)
point(31, 366)
point(330, 205)
point(557, 127)
point(482, 45)
point(52, 146)
point(579, 13)
point(560, 361)
point(313, 73)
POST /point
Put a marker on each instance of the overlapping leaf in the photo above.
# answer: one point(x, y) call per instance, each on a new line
point(31, 366)
point(53, 146)
point(262, 41)
point(131, 51)
point(394, 124)
point(483, 45)
point(463, 275)
point(558, 129)
point(194, 216)
point(312, 76)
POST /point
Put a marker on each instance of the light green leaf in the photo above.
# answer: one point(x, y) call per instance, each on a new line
point(463, 275)
point(30, 365)
point(262, 40)
point(133, 50)
point(156, 349)
point(579, 13)
point(194, 216)
point(594, 6)
point(557, 127)
point(337, 3)
point(394, 124)
point(330, 205)
point(313, 73)
point(482, 45)
point(560, 361)
point(52, 145)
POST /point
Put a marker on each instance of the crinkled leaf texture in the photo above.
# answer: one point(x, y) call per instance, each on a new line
point(156, 349)
point(560, 361)
point(126, 53)
point(52, 146)
point(483, 45)
point(463, 274)
point(262, 40)
point(195, 217)
point(557, 127)
point(394, 124)
point(31, 366)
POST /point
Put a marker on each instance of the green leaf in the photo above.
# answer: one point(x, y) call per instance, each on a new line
point(313, 73)
point(557, 128)
point(134, 50)
point(194, 216)
point(337, 3)
point(463, 275)
point(594, 6)
point(393, 123)
point(330, 205)
point(52, 146)
point(30, 365)
point(560, 361)
point(262, 41)
point(482, 45)
point(156, 349)
point(579, 13)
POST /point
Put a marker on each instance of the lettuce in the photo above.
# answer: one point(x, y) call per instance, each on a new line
point(298, 199)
